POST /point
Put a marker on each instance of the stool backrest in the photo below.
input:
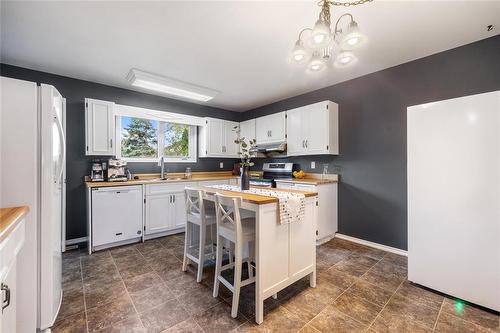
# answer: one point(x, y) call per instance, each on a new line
point(194, 201)
point(228, 212)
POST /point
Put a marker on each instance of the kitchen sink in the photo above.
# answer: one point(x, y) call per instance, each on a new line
point(162, 179)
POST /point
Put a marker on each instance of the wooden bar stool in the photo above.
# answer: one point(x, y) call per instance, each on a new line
point(238, 231)
point(203, 216)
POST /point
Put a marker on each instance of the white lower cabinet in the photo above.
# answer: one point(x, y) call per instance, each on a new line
point(9, 250)
point(327, 206)
point(121, 214)
point(165, 208)
point(8, 296)
point(116, 215)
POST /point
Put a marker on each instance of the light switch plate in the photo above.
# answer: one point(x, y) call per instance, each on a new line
point(313, 165)
point(221, 165)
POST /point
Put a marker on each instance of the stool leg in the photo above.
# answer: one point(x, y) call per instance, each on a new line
point(251, 257)
point(237, 279)
point(185, 259)
point(218, 265)
point(201, 252)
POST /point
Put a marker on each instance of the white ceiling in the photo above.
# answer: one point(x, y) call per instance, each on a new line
point(238, 48)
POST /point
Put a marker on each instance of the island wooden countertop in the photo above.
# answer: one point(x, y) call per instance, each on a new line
point(255, 198)
point(177, 178)
point(10, 218)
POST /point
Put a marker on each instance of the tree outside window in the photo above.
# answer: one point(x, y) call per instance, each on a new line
point(176, 138)
point(147, 139)
point(139, 137)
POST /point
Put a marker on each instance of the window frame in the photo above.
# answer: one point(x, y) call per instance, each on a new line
point(193, 142)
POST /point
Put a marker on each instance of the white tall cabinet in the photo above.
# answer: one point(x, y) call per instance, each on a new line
point(216, 138)
point(454, 197)
point(313, 130)
point(99, 127)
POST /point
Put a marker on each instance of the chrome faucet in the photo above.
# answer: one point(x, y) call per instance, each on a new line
point(161, 163)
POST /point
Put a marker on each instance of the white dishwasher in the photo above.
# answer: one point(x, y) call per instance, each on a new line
point(116, 215)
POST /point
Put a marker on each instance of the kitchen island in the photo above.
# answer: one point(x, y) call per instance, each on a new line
point(284, 253)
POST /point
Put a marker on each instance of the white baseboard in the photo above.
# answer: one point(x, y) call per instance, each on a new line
point(372, 244)
point(76, 240)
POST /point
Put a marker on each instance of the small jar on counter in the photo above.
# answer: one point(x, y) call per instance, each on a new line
point(188, 174)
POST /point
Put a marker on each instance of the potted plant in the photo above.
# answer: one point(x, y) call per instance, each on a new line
point(245, 156)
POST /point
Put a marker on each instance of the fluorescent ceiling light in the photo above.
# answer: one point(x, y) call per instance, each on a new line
point(170, 86)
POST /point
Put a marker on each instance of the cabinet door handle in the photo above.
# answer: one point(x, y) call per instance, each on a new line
point(6, 301)
point(303, 144)
point(270, 133)
point(111, 143)
point(306, 143)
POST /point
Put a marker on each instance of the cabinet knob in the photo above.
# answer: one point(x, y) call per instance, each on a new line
point(6, 301)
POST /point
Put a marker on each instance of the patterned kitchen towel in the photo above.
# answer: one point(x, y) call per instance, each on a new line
point(291, 205)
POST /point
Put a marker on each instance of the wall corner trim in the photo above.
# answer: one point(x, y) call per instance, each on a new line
point(372, 244)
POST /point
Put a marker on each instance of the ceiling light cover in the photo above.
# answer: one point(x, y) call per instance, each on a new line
point(169, 86)
point(299, 53)
point(345, 58)
point(316, 64)
point(320, 35)
point(353, 37)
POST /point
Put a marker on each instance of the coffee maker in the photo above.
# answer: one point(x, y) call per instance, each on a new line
point(98, 171)
point(117, 170)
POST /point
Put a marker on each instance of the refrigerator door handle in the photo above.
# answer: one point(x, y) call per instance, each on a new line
point(62, 157)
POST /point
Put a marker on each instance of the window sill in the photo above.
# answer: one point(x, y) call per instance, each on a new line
point(156, 160)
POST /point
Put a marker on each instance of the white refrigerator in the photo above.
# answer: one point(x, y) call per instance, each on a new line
point(454, 197)
point(33, 151)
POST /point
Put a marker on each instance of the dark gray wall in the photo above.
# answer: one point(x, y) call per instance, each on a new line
point(77, 164)
point(372, 160)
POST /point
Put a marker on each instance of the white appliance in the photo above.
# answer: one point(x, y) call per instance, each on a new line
point(33, 162)
point(454, 197)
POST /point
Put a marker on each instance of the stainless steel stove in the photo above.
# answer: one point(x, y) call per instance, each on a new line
point(272, 171)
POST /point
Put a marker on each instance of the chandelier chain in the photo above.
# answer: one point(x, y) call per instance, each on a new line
point(347, 3)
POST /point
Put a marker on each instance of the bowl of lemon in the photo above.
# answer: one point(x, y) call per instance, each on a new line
point(299, 174)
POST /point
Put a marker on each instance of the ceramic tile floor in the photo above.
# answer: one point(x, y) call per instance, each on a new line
point(141, 288)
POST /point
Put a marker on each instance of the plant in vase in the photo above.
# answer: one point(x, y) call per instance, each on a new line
point(245, 156)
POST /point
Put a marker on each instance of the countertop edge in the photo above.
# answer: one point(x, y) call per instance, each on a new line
point(90, 184)
point(10, 217)
point(308, 181)
point(264, 199)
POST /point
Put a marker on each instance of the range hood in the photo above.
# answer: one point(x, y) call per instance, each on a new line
point(278, 147)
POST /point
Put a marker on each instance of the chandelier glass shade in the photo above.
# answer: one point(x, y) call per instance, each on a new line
point(318, 46)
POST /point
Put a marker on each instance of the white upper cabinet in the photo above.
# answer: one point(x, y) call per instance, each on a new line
point(99, 127)
point(216, 138)
point(230, 148)
point(271, 128)
point(247, 129)
point(313, 130)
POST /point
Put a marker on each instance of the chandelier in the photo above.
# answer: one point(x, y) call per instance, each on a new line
point(315, 47)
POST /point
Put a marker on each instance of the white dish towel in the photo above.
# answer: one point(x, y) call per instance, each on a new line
point(291, 205)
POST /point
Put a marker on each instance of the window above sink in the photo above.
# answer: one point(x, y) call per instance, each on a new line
point(146, 138)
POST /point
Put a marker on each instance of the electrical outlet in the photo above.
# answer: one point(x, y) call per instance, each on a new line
point(313, 165)
point(221, 165)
